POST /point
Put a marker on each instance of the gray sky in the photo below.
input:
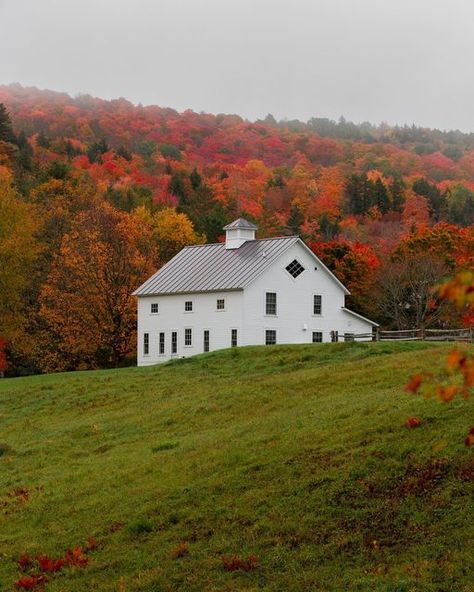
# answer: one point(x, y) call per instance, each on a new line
point(400, 61)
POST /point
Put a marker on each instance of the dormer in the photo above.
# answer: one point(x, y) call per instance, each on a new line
point(238, 232)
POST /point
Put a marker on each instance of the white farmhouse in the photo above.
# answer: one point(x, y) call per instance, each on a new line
point(241, 292)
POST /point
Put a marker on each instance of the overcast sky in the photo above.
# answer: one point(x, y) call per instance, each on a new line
point(400, 61)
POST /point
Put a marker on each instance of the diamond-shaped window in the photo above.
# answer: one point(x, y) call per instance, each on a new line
point(294, 268)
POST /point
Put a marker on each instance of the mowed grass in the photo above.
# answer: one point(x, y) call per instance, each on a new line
point(295, 454)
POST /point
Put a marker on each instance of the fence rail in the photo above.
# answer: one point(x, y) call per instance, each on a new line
point(466, 335)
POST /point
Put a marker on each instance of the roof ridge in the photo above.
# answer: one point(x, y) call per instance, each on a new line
point(254, 240)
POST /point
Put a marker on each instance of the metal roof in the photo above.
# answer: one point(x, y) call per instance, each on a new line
point(359, 316)
point(212, 268)
point(240, 223)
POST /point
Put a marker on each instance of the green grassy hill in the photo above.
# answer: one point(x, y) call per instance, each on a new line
point(297, 455)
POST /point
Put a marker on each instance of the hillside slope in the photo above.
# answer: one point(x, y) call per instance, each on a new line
point(295, 454)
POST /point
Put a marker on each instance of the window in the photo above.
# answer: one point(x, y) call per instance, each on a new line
point(174, 342)
point(206, 340)
point(154, 308)
point(317, 304)
point(334, 335)
point(348, 336)
point(294, 268)
point(188, 306)
point(233, 338)
point(161, 344)
point(220, 305)
point(188, 337)
point(270, 337)
point(146, 344)
point(271, 303)
point(317, 337)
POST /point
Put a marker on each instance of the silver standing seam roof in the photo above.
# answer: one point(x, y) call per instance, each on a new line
point(213, 268)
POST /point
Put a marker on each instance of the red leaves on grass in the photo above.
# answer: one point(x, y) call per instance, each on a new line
point(469, 441)
point(235, 563)
point(413, 422)
point(75, 557)
point(25, 562)
point(30, 582)
point(48, 564)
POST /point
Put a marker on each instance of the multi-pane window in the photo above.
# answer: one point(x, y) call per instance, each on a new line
point(317, 304)
point(220, 305)
point(348, 336)
point(233, 338)
point(161, 344)
point(271, 303)
point(154, 307)
point(334, 335)
point(188, 337)
point(174, 342)
point(206, 340)
point(270, 337)
point(188, 306)
point(294, 268)
point(146, 344)
point(317, 337)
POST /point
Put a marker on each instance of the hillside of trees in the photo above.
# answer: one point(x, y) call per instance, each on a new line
point(95, 195)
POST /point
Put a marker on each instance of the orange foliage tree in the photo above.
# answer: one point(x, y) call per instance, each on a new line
point(86, 303)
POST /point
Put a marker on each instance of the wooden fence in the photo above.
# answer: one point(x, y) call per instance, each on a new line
point(466, 335)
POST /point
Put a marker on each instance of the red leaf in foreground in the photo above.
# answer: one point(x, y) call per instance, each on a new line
point(48, 564)
point(413, 422)
point(235, 563)
point(30, 582)
point(75, 557)
point(469, 441)
point(414, 383)
point(25, 562)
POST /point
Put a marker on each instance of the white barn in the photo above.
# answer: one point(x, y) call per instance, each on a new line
point(244, 291)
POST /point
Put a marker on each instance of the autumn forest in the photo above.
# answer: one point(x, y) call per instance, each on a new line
point(95, 195)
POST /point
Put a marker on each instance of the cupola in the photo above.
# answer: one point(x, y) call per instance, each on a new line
point(238, 232)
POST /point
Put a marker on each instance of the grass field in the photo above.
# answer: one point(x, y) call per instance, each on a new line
point(297, 455)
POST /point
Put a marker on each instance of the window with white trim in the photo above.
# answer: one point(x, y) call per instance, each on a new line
point(220, 304)
point(317, 337)
point(317, 304)
point(188, 306)
point(233, 338)
point(294, 268)
point(270, 303)
point(349, 337)
point(146, 344)
point(161, 344)
point(154, 308)
point(206, 340)
point(188, 337)
point(270, 337)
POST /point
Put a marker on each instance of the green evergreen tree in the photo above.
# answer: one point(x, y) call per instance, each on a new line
point(379, 196)
point(25, 152)
point(6, 129)
point(436, 199)
point(43, 141)
point(295, 220)
point(195, 178)
point(397, 194)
